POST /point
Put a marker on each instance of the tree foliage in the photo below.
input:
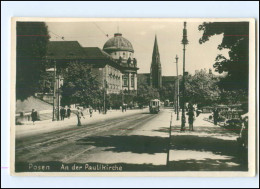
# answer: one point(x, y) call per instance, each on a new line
point(32, 39)
point(201, 88)
point(114, 101)
point(168, 92)
point(236, 39)
point(80, 86)
point(145, 93)
point(233, 97)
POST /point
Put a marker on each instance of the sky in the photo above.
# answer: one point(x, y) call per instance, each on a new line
point(142, 34)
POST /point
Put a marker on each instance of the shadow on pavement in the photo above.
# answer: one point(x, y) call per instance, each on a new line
point(232, 156)
point(206, 165)
point(217, 131)
point(198, 143)
point(131, 143)
point(225, 148)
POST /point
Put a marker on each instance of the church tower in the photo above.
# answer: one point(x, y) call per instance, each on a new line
point(156, 70)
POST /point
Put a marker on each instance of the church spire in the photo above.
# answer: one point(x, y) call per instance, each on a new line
point(156, 70)
point(156, 54)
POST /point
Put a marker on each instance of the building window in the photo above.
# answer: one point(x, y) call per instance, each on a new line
point(132, 81)
point(125, 81)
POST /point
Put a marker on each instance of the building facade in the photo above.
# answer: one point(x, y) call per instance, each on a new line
point(122, 52)
point(114, 66)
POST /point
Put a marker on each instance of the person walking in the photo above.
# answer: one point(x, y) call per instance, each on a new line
point(125, 106)
point(190, 117)
point(90, 111)
point(68, 112)
point(215, 116)
point(79, 114)
point(62, 113)
point(243, 136)
point(34, 115)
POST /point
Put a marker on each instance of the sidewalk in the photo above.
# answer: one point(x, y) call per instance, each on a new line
point(49, 125)
point(208, 148)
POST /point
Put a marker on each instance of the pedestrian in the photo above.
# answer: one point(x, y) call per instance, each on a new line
point(68, 112)
point(243, 137)
point(90, 111)
point(190, 116)
point(34, 115)
point(79, 114)
point(99, 109)
point(215, 116)
point(62, 113)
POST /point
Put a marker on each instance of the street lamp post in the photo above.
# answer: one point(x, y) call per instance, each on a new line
point(105, 92)
point(184, 42)
point(122, 98)
point(177, 100)
point(54, 92)
point(58, 97)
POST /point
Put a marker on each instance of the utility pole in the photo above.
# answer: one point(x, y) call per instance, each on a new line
point(122, 97)
point(184, 42)
point(105, 87)
point(58, 95)
point(54, 91)
point(177, 74)
point(169, 144)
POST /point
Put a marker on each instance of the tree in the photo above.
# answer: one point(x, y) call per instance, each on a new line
point(114, 100)
point(80, 86)
point(201, 88)
point(167, 92)
point(233, 97)
point(236, 39)
point(32, 39)
point(145, 93)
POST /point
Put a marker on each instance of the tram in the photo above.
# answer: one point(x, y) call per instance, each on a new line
point(154, 106)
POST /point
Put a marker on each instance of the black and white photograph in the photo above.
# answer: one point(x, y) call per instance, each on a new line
point(133, 96)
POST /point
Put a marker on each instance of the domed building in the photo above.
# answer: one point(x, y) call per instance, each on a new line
point(121, 50)
point(114, 66)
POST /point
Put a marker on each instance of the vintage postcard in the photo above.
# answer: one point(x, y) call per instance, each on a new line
point(133, 97)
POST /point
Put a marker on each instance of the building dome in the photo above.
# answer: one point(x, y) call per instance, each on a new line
point(118, 43)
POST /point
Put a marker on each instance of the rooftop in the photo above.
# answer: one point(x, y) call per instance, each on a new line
point(65, 50)
point(118, 43)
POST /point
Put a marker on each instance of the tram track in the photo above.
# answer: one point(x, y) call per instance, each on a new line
point(70, 136)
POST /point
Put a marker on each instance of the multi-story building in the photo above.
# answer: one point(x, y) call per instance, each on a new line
point(121, 50)
point(105, 69)
point(114, 67)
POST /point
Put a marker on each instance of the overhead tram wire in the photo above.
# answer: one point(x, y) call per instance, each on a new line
point(101, 29)
point(58, 36)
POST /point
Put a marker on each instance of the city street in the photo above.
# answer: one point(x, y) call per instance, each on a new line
point(137, 141)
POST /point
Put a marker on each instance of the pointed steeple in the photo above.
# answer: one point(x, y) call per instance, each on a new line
point(156, 70)
point(156, 54)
